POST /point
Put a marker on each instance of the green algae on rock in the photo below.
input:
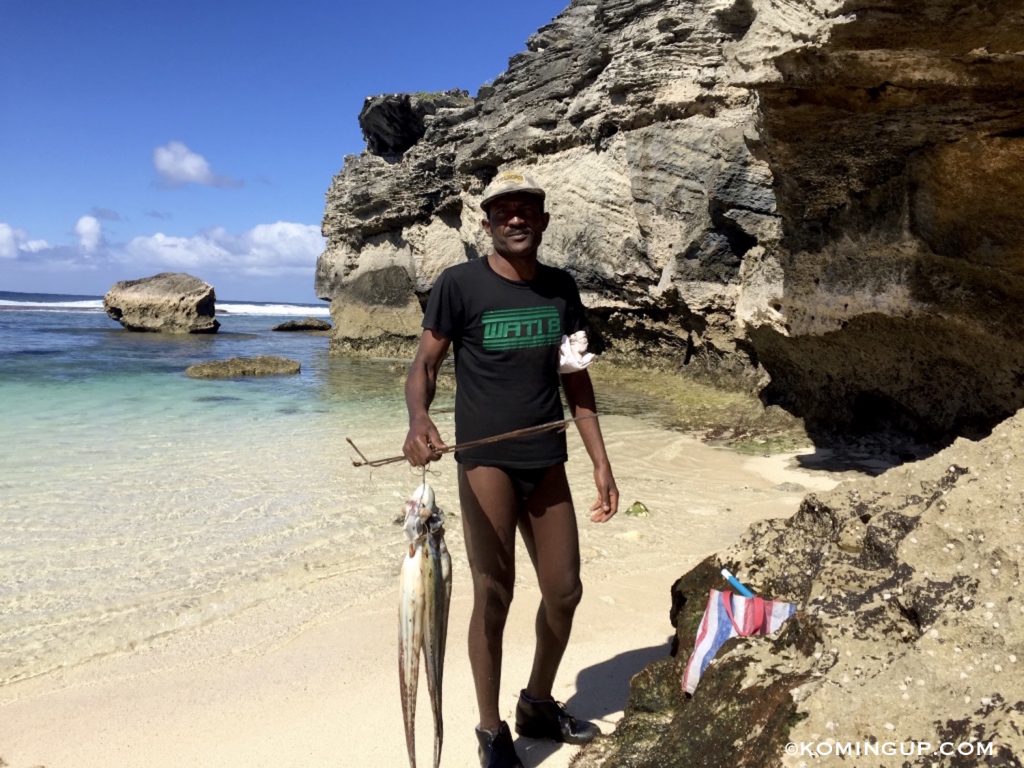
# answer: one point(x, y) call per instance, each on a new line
point(235, 367)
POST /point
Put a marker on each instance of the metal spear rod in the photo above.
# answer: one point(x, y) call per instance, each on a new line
point(524, 432)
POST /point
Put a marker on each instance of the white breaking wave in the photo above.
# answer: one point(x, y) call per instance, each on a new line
point(86, 304)
point(272, 309)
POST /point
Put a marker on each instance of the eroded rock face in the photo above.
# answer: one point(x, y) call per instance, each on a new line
point(170, 302)
point(626, 152)
point(897, 152)
point(910, 626)
point(824, 191)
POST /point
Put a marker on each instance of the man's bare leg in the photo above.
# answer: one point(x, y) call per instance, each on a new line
point(552, 539)
point(489, 512)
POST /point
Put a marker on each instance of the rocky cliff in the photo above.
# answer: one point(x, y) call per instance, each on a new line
point(824, 192)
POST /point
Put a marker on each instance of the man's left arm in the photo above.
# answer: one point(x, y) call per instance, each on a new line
point(579, 393)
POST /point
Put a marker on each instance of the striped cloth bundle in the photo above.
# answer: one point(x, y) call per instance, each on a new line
point(730, 615)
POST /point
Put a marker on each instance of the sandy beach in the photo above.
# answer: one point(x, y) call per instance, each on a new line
point(310, 679)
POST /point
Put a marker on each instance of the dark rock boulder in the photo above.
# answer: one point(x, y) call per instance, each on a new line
point(308, 324)
point(394, 122)
point(236, 367)
point(170, 302)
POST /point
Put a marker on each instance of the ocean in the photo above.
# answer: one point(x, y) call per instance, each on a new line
point(137, 502)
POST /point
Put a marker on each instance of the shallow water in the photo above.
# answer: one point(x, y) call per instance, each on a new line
point(135, 501)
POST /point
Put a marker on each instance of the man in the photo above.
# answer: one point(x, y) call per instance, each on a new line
point(506, 315)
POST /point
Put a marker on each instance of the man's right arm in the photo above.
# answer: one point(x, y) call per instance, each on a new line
point(423, 440)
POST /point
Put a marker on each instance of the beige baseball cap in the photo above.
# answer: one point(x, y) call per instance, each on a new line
point(507, 182)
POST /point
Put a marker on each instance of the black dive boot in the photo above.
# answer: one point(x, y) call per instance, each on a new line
point(496, 749)
point(549, 720)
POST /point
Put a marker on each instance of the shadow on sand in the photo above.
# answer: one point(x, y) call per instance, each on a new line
point(601, 689)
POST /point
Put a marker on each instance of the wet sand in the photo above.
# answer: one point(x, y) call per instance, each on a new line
point(267, 689)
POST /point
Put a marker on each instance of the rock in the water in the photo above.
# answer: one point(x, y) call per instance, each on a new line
point(262, 365)
point(170, 302)
point(309, 324)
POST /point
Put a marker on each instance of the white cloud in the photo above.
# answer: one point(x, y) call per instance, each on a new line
point(14, 241)
point(283, 244)
point(90, 233)
point(34, 246)
point(266, 250)
point(8, 242)
point(279, 250)
point(177, 164)
point(177, 252)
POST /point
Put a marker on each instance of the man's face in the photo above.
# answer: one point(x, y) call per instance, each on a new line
point(516, 223)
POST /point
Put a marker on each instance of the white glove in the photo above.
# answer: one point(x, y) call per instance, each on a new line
point(573, 355)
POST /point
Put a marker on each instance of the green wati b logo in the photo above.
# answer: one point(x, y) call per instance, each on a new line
point(521, 328)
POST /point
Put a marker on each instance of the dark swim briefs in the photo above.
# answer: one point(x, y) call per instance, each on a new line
point(525, 481)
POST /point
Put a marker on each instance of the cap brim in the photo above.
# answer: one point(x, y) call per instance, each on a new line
point(536, 191)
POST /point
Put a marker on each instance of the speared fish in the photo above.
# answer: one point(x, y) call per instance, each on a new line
point(426, 590)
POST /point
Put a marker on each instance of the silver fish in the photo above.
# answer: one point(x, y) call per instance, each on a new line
point(426, 588)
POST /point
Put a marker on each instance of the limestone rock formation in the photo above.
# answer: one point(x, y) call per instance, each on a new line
point(910, 628)
point(392, 123)
point(309, 324)
point(236, 367)
point(824, 191)
point(897, 154)
point(170, 302)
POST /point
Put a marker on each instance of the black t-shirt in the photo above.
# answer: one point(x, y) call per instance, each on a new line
point(506, 335)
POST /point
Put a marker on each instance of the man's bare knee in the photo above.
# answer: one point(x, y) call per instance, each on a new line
point(563, 600)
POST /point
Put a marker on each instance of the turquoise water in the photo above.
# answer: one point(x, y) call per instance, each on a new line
point(135, 501)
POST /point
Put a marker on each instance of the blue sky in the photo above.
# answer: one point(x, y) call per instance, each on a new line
point(144, 136)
